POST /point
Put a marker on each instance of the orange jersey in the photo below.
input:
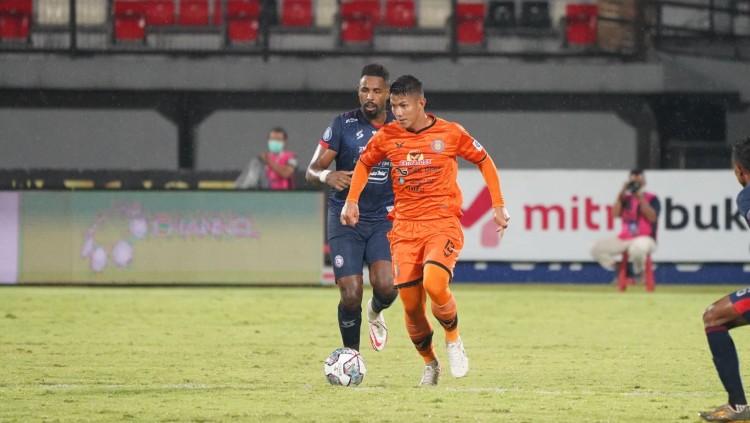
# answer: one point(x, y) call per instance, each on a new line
point(424, 167)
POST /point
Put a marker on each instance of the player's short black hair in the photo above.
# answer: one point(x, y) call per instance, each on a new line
point(280, 130)
point(741, 152)
point(407, 84)
point(376, 69)
point(636, 171)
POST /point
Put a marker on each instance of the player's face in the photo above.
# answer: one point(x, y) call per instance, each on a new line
point(373, 94)
point(407, 109)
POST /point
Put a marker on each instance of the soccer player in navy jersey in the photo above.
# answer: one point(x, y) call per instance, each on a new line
point(730, 312)
point(351, 247)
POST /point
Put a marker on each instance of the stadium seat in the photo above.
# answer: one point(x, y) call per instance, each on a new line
point(129, 20)
point(91, 12)
point(296, 13)
point(325, 10)
point(160, 12)
point(580, 24)
point(15, 20)
point(358, 21)
point(433, 15)
point(52, 12)
point(535, 14)
point(400, 14)
point(193, 13)
point(470, 23)
point(501, 14)
point(623, 280)
point(243, 21)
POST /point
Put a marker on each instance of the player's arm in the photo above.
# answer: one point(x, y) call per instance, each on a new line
point(318, 174)
point(350, 212)
point(617, 206)
point(489, 173)
point(372, 155)
point(471, 150)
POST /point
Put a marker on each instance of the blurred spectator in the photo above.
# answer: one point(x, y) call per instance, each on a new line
point(273, 169)
point(639, 211)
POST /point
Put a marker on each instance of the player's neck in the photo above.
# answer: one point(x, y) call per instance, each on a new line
point(423, 122)
point(379, 120)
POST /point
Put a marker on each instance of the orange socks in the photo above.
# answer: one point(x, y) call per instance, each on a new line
point(417, 325)
point(435, 282)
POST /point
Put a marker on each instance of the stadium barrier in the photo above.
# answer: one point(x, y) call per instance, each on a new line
point(198, 236)
point(191, 237)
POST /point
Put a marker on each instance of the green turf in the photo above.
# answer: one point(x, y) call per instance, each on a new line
point(538, 354)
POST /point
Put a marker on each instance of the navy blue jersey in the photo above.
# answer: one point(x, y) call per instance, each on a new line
point(743, 203)
point(347, 136)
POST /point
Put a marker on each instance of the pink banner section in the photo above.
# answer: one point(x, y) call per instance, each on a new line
point(9, 227)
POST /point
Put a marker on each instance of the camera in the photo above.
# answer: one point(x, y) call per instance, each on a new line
point(633, 186)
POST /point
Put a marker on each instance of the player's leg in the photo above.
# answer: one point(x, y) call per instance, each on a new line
point(378, 255)
point(606, 250)
point(407, 277)
point(638, 249)
point(441, 254)
point(413, 298)
point(347, 252)
point(727, 313)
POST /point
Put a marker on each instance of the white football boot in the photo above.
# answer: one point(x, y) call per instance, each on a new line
point(457, 358)
point(378, 328)
point(431, 374)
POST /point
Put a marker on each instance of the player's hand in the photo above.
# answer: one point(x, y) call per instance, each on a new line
point(350, 213)
point(263, 157)
point(340, 179)
point(502, 219)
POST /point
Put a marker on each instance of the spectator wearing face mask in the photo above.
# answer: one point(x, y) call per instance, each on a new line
point(272, 169)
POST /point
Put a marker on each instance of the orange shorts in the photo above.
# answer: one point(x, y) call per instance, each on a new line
point(415, 243)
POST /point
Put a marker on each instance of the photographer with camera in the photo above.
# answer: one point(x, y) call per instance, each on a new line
point(639, 211)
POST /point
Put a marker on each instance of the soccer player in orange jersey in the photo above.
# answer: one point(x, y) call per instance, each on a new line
point(426, 238)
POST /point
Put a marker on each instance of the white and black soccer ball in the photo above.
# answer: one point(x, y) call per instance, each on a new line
point(344, 367)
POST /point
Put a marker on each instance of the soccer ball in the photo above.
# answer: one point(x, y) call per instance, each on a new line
point(344, 367)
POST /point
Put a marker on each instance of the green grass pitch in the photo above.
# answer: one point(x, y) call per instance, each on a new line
point(538, 354)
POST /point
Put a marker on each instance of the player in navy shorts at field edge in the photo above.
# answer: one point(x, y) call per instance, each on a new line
point(730, 312)
point(351, 247)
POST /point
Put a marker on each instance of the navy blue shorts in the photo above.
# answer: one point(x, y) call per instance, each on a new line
point(351, 247)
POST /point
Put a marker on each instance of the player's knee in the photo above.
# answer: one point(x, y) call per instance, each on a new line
point(710, 317)
point(351, 295)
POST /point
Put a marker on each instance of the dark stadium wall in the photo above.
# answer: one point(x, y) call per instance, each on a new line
point(86, 139)
point(518, 140)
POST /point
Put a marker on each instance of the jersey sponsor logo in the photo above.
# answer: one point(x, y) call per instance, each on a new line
point(378, 175)
point(360, 134)
point(477, 145)
point(415, 158)
point(327, 134)
point(438, 146)
point(338, 261)
point(350, 120)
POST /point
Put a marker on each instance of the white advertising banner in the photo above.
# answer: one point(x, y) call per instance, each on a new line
point(556, 215)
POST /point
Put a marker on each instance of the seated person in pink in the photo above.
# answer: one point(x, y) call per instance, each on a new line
point(639, 211)
point(273, 169)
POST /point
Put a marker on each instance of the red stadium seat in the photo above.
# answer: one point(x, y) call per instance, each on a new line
point(159, 12)
point(358, 20)
point(242, 20)
point(470, 23)
point(193, 13)
point(297, 13)
point(580, 24)
point(130, 20)
point(15, 20)
point(400, 14)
